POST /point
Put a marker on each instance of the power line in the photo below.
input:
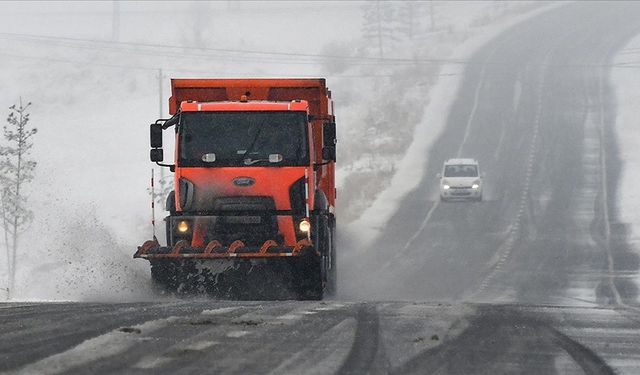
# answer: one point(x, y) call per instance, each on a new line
point(51, 59)
point(236, 55)
point(204, 72)
point(311, 58)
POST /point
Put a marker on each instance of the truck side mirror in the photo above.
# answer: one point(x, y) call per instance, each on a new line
point(329, 153)
point(156, 135)
point(329, 141)
point(156, 155)
point(329, 134)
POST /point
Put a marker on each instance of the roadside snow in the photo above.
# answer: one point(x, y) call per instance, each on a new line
point(626, 82)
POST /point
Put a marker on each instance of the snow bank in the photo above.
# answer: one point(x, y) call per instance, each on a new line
point(626, 82)
point(627, 89)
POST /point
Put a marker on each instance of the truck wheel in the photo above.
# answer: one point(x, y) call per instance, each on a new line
point(332, 280)
point(309, 285)
point(326, 247)
point(312, 270)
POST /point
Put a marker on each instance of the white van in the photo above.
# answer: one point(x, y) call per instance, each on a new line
point(460, 179)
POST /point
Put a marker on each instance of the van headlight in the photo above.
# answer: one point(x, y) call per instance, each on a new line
point(445, 187)
point(475, 186)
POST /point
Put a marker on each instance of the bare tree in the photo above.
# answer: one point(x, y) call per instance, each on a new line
point(16, 171)
point(409, 25)
point(379, 24)
point(163, 186)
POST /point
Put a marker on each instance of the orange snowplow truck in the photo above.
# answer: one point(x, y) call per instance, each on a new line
point(254, 180)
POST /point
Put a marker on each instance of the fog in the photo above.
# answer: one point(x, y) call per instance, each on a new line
point(98, 73)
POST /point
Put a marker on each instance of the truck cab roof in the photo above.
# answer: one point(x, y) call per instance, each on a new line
point(254, 105)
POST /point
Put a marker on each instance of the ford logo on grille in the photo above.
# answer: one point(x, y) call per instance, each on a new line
point(243, 181)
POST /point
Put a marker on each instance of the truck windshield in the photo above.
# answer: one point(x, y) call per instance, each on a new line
point(222, 139)
point(461, 171)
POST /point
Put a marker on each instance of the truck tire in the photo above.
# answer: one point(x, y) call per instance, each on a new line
point(325, 246)
point(332, 275)
point(313, 269)
point(307, 276)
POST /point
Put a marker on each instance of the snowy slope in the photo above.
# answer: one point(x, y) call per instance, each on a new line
point(626, 83)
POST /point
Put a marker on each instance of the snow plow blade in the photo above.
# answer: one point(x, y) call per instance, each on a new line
point(182, 249)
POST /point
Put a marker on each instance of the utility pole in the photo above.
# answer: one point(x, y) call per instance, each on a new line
point(160, 114)
point(160, 93)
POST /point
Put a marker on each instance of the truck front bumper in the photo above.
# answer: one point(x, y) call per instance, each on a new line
point(152, 250)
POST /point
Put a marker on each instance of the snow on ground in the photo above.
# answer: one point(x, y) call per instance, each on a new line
point(626, 81)
point(94, 87)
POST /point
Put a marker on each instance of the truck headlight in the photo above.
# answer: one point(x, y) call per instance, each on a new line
point(183, 226)
point(445, 187)
point(304, 225)
point(475, 186)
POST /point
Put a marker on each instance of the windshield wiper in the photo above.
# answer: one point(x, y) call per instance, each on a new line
point(249, 161)
point(253, 143)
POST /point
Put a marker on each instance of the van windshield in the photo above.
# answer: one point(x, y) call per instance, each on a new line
point(238, 139)
point(461, 170)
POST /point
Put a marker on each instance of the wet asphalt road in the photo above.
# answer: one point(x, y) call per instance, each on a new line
point(316, 338)
point(537, 279)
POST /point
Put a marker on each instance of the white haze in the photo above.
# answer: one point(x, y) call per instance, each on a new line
point(93, 99)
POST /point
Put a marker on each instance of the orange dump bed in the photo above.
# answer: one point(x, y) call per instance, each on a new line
point(313, 90)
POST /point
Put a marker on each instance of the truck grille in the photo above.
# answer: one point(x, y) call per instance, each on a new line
point(249, 219)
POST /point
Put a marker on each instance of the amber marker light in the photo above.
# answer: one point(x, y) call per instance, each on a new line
point(183, 226)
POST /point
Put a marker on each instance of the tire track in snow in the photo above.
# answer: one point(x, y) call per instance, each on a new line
point(366, 356)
